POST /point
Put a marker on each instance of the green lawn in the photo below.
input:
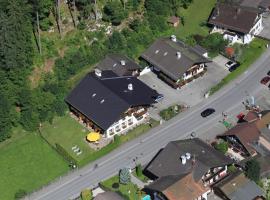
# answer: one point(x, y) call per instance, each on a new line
point(134, 193)
point(67, 132)
point(248, 56)
point(196, 15)
point(28, 163)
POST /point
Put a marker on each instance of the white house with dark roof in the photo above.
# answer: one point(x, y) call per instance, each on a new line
point(111, 104)
point(236, 23)
point(175, 62)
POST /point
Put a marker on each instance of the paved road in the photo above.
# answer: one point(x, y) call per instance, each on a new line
point(145, 147)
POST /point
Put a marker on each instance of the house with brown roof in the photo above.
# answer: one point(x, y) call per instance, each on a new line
point(185, 169)
point(175, 62)
point(247, 137)
point(237, 23)
point(238, 187)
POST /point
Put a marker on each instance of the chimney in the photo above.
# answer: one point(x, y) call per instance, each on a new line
point(183, 160)
point(130, 87)
point(188, 156)
point(178, 54)
point(123, 62)
point(173, 38)
point(98, 72)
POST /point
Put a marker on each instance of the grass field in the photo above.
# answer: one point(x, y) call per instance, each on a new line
point(249, 55)
point(129, 191)
point(27, 163)
point(67, 132)
point(195, 18)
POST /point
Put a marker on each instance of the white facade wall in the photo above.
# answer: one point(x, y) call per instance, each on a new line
point(123, 125)
point(247, 38)
point(201, 69)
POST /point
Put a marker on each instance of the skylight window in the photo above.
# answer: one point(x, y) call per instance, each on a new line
point(114, 65)
point(165, 54)
point(156, 52)
point(102, 101)
point(93, 95)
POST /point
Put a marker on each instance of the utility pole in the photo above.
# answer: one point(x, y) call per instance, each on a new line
point(38, 29)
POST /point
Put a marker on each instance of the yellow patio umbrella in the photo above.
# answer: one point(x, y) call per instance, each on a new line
point(93, 136)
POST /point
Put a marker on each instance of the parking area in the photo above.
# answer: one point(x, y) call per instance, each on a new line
point(192, 93)
point(265, 33)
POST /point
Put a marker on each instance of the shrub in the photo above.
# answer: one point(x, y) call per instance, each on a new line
point(115, 185)
point(139, 170)
point(20, 194)
point(253, 170)
point(222, 146)
point(86, 194)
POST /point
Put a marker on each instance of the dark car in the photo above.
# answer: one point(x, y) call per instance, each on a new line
point(268, 73)
point(159, 98)
point(207, 112)
point(234, 67)
point(265, 80)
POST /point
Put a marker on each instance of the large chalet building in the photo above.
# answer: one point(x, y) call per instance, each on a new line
point(109, 103)
point(175, 62)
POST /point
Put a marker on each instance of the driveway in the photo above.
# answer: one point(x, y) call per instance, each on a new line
point(192, 93)
point(265, 33)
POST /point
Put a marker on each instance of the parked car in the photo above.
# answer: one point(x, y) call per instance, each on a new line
point(265, 80)
point(207, 112)
point(268, 73)
point(234, 67)
point(231, 65)
point(159, 98)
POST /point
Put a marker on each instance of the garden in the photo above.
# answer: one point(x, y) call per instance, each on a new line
point(67, 132)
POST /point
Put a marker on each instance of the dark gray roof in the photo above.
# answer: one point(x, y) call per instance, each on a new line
point(238, 187)
point(108, 196)
point(235, 18)
point(265, 4)
point(256, 3)
point(199, 49)
point(113, 62)
point(168, 161)
point(104, 99)
point(163, 55)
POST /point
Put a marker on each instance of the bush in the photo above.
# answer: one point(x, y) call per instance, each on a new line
point(253, 170)
point(86, 194)
point(20, 194)
point(139, 170)
point(214, 43)
point(115, 185)
point(222, 146)
point(170, 112)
